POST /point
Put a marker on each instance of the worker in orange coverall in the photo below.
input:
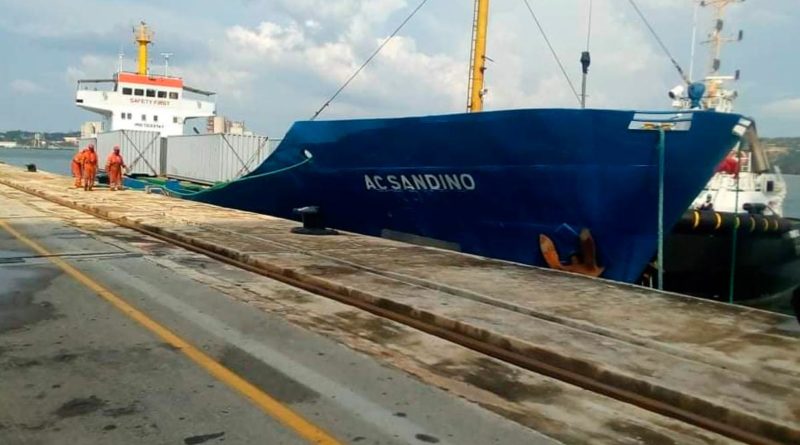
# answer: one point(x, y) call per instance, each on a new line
point(114, 166)
point(77, 166)
point(89, 168)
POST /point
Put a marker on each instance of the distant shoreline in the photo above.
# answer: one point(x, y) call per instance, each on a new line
point(22, 147)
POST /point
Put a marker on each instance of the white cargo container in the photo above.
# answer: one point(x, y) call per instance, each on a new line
point(141, 150)
point(212, 158)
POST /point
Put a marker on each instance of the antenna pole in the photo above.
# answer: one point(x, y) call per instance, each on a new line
point(694, 40)
point(478, 67)
point(585, 61)
point(166, 57)
point(586, 58)
point(119, 60)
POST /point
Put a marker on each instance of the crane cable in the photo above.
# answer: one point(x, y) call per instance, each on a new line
point(661, 43)
point(368, 60)
point(553, 51)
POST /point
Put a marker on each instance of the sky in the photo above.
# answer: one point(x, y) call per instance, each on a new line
point(273, 62)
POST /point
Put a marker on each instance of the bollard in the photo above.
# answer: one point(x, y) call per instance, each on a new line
point(312, 222)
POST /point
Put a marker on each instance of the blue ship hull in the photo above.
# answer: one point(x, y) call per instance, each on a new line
point(490, 183)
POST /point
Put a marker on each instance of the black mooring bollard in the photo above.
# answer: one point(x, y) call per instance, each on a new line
point(312, 222)
point(31, 167)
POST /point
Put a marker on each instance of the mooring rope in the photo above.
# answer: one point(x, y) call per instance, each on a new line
point(222, 185)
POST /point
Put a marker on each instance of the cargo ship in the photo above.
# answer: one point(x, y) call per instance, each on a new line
point(534, 186)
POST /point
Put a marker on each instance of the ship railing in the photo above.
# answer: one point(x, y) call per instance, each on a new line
point(676, 121)
point(84, 83)
point(667, 120)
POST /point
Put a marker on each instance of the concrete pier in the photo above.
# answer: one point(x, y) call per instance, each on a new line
point(646, 350)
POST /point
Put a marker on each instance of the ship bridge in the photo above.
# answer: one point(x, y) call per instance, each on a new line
point(144, 101)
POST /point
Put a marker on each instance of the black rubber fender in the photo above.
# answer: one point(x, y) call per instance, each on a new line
point(710, 222)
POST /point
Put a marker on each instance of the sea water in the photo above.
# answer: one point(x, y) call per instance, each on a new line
point(53, 161)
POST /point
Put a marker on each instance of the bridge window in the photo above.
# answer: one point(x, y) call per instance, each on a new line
point(151, 93)
point(173, 95)
point(127, 91)
point(144, 118)
point(162, 94)
point(155, 118)
point(138, 92)
point(130, 116)
point(175, 119)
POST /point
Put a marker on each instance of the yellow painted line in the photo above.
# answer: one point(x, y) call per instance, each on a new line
point(268, 404)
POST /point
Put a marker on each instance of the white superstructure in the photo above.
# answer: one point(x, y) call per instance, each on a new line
point(144, 101)
point(761, 187)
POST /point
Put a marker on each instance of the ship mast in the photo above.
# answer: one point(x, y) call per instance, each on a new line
point(478, 56)
point(143, 37)
point(717, 97)
point(716, 38)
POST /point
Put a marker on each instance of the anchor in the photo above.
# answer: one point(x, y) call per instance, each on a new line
point(585, 265)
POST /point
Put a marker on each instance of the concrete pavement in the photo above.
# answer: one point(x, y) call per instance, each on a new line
point(74, 369)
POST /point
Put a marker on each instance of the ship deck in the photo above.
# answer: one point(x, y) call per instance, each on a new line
point(574, 358)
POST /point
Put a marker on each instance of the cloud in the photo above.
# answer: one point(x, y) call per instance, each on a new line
point(276, 61)
point(25, 86)
point(92, 66)
point(782, 107)
point(309, 48)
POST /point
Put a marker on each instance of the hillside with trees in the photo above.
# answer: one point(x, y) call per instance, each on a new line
point(785, 153)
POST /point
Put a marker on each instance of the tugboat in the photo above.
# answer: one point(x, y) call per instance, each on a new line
point(733, 244)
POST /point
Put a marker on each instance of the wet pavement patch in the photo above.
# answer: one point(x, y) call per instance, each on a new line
point(269, 379)
point(64, 357)
point(499, 379)
point(376, 329)
point(17, 306)
point(80, 407)
point(131, 409)
point(20, 362)
point(426, 438)
point(641, 433)
point(194, 440)
point(169, 346)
